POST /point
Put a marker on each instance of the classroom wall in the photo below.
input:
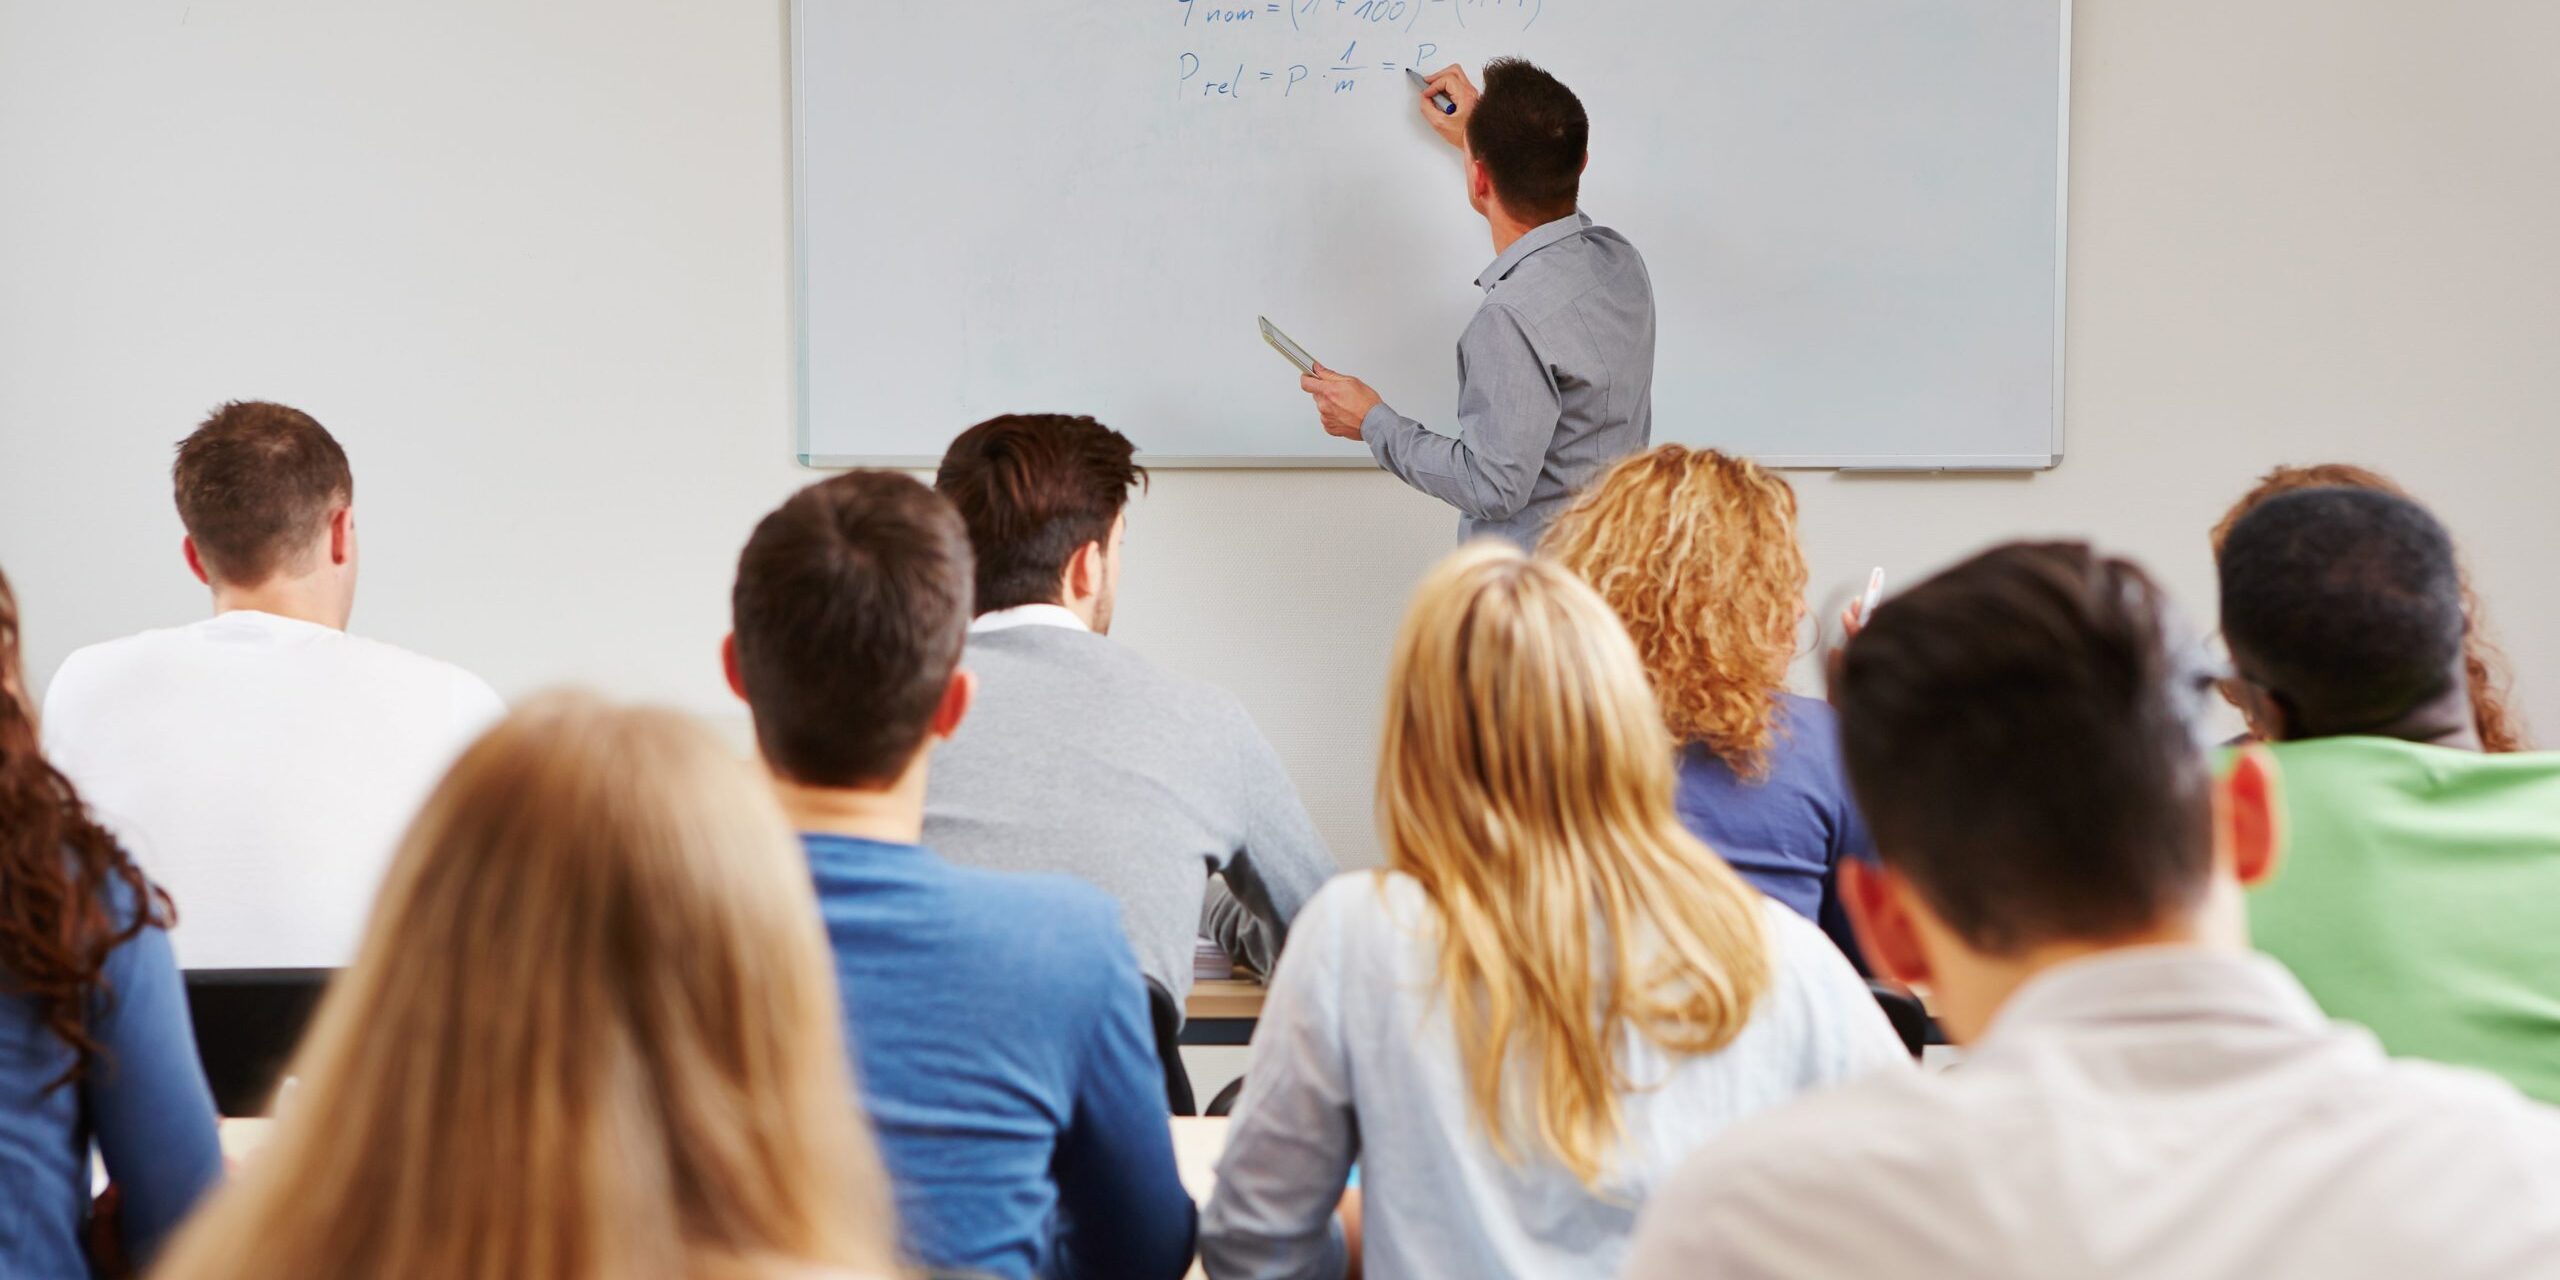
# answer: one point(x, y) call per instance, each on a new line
point(530, 262)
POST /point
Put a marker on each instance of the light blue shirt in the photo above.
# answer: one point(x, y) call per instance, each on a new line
point(1555, 383)
point(1355, 1060)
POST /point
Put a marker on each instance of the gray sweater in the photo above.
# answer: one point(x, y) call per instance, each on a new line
point(1082, 758)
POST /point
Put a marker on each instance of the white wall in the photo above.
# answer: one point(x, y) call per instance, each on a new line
point(530, 263)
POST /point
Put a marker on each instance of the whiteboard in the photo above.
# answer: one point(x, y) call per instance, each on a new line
point(1852, 211)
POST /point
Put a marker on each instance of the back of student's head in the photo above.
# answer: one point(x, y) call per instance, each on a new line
point(68, 892)
point(1032, 488)
point(2344, 605)
point(2502, 727)
point(2020, 731)
point(1525, 782)
point(849, 614)
point(592, 1032)
point(256, 486)
point(1530, 134)
point(1696, 551)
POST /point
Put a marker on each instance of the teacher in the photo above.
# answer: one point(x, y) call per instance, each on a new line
point(1555, 373)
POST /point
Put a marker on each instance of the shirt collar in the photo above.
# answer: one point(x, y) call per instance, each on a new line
point(2157, 984)
point(1027, 615)
point(1538, 237)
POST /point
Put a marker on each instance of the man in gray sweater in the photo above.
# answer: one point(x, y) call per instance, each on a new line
point(1080, 756)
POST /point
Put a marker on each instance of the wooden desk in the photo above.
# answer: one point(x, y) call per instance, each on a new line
point(1222, 1011)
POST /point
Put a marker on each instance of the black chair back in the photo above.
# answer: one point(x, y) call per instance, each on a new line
point(1166, 1013)
point(247, 1022)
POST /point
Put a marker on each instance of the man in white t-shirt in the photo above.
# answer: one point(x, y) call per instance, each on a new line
point(262, 764)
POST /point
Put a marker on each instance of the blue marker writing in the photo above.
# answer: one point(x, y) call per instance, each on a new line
point(1448, 106)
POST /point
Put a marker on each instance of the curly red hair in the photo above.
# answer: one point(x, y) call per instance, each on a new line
point(1696, 551)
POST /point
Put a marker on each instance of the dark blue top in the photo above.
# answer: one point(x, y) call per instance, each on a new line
point(1786, 830)
point(144, 1102)
point(1008, 1065)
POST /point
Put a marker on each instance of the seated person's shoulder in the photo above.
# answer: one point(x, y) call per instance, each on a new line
point(1802, 1154)
point(1045, 920)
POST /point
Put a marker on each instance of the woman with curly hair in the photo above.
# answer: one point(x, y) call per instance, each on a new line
point(2502, 730)
point(1696, 551)
point(94, 1039)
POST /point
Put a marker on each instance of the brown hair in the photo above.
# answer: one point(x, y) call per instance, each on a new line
point(1033, 487)
point(850, 611)
point(256, 485)
point(61, 876)
point(1697, 552)
point(2020, 731)
point(593, 1033)
point(2502, 728)
point(1524, 781)
point(1530, 134)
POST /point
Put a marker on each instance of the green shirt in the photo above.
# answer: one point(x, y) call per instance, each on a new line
point(2419, 894)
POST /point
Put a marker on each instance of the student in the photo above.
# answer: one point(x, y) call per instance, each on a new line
point(1552, 994)
point(261, 763)
point(2417, 896)
point(2142, 1096)
point(2502, 728)
point(1555, 372)
point(998, 1020)
point(590, 1035)
point(1084, 758)
point(1697, 553)
point(94, 1039)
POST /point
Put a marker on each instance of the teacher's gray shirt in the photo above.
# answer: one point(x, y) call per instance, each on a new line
point(1555, 383)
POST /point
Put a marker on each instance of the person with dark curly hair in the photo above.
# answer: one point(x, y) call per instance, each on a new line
point(94, 1039)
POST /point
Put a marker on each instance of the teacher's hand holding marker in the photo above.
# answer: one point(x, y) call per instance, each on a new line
point(1555, 373)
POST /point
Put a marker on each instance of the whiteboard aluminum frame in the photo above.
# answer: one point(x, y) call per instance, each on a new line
point(1924, 463)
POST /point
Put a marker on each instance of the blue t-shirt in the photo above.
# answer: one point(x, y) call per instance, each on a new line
point(1786, 830)
point(144, 1102)
point(1008, 1064)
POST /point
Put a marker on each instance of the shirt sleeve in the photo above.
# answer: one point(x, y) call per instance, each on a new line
point(1122, 1211)
point(1851, 1036)
point(1295, 1134)
point(1281, 863)
point(1508, 407)
point(146, 1097)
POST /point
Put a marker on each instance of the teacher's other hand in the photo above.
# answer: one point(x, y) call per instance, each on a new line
point(1342, 401)
point(1451, 126)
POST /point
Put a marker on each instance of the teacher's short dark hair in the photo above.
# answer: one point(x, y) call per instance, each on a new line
point(2020, 731)
point(850, 610)
point(1033, 487)
point(1531, 135)
point(2345, 604)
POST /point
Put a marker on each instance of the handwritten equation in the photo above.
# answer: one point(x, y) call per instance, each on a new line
point(1285, 50)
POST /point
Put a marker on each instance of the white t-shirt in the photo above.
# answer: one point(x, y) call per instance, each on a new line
point(262, 770)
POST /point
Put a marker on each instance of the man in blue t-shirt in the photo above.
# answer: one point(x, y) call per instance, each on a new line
point(998, 1024)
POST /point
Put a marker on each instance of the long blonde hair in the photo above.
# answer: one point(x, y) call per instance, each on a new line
point(592, 1033)
point(1525, 782)
point(1696, 551)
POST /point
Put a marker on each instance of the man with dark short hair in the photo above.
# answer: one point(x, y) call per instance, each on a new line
point(262, 764)
point(2143, 1097)
point(997, 1021)
point(1084, 758)
point(2416, 896)
point(1555, 373)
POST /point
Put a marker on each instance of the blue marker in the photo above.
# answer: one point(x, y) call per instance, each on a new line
point(1448, 106)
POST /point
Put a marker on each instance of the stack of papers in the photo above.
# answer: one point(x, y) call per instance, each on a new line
point(1210, 964)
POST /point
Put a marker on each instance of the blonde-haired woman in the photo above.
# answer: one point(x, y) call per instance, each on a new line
point(591, 1035)
point(1551, 995)
point(1696, 552)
